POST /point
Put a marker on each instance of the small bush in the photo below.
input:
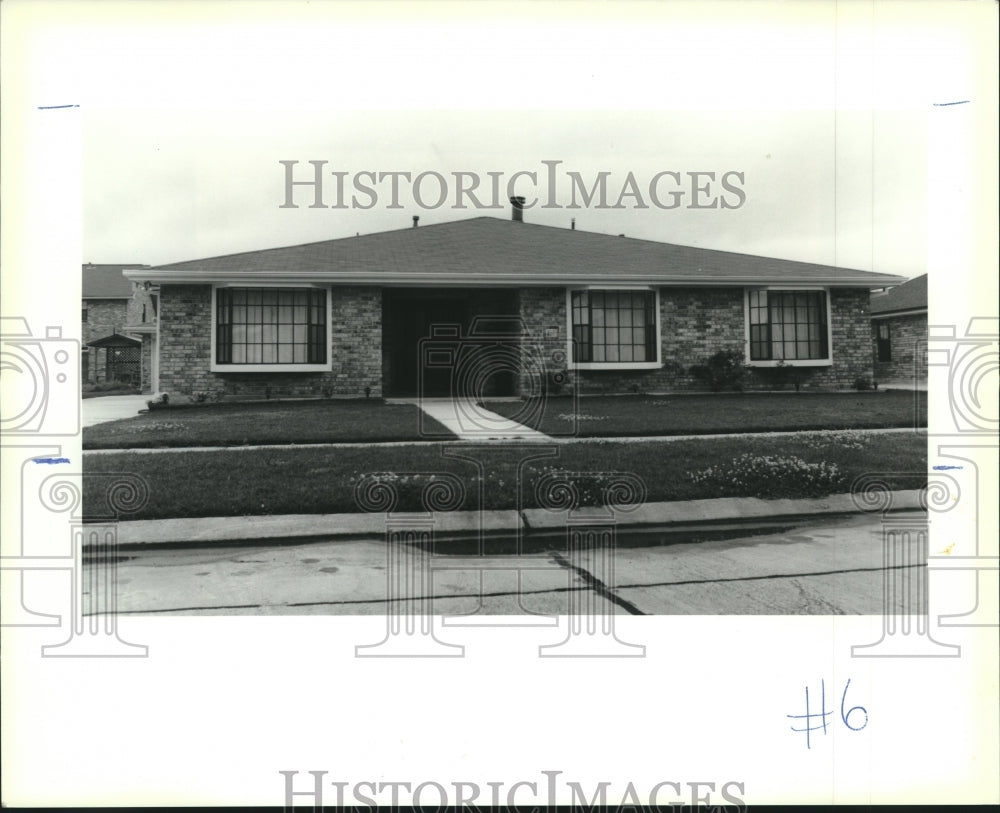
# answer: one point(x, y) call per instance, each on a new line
point(160, 402)
point(862, 383)
point(723, 370)
point(772, 477)
point(783, 374)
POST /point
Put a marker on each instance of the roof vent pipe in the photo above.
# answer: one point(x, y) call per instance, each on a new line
point(572, 223)
point(517, 209)
point(416, 219)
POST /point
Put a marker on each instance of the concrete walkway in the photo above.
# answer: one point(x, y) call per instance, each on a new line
point(469, 421)
point(909, 385)
point(464, 526)
point(112, 408)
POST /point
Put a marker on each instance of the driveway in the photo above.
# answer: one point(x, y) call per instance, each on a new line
point(112, 408)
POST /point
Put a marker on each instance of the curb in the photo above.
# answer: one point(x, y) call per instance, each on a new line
point(465, 526)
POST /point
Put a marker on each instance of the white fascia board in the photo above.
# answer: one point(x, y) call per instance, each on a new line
point(494, 280)
point(891, 314)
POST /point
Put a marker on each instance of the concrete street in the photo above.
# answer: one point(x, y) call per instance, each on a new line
point(824, 566)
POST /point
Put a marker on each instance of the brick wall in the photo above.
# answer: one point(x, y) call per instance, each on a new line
point(185, 349)
point(543, 312)
point(104, 317)
point(698, 322)
point(908, 343)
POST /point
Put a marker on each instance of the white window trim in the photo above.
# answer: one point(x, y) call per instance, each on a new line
point(826, 362)
point(611, 365)
point(274, 368)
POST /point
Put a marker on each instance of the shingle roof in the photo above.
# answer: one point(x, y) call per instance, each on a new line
point(488, 250)
point(114, 340)
point(106, 281)
point(911, 295)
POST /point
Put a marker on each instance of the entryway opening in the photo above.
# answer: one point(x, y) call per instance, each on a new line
point(450, 342)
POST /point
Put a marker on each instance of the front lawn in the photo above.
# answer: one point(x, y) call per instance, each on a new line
point(263, 424)
point(318, 480)
point(721, 413)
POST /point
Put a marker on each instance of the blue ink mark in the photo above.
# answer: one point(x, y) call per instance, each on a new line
point(50, 460)
point(57, 106)
point(945, 468)
point(823, 713)
point(949, 104)
point(847, 716)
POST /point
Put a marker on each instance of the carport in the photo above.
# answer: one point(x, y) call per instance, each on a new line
point(115, 358)
point(449, 341)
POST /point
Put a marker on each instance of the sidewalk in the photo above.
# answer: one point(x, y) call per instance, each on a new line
point(466, 526)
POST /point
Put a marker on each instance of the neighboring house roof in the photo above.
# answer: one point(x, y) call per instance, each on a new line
point(494, 252)
point(114, 340)
point(106, 281)
point(910, 296)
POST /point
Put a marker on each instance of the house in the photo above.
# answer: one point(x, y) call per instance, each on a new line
point(114, 314)
point(488, 306)
point(899, 332)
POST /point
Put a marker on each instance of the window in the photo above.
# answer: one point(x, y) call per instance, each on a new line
point(270, 326)
point(788, 325)
point(83, 314)
point(883, 342)
point(614, 327)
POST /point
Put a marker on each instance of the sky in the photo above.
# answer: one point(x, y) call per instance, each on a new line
point(187, 111)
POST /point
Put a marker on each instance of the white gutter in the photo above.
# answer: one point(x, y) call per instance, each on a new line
point(492, 280)
point(890, 314)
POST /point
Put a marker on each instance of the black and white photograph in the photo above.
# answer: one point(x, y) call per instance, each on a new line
point(556, 348)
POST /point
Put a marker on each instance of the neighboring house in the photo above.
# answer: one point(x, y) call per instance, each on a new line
point(115, 314)
point(352, 317)
point(899, 332)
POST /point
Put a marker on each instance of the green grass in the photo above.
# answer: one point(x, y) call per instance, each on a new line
point(263, 424)
point(313, 480)
point(648, 415)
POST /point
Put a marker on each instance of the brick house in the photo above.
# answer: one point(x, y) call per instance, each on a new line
point(501, 307)
point(899, 332)
point(115, 314)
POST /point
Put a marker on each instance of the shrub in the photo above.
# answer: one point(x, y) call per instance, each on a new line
point(725, 369)
point(159, 402)
point(772, 477)
point(862, 383)
point(782, 374)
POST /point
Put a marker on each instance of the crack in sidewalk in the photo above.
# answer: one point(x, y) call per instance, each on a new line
point(598, 586)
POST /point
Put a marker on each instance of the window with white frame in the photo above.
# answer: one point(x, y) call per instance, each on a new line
point(613, 327)
point(270, 326)
point(788, 325)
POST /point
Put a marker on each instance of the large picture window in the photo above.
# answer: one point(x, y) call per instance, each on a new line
point(270, 326)
point(614, 326)
point(788, 325)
